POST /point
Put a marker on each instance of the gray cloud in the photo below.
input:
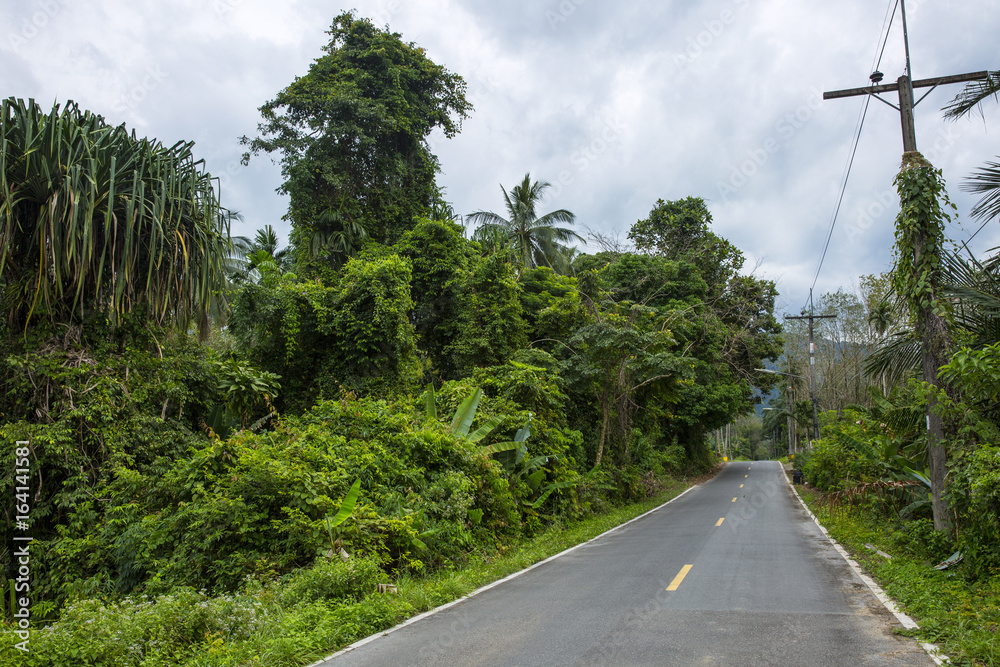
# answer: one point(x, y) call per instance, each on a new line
point(616, 104)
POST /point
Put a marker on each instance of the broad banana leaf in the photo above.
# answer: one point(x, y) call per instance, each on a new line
point(347, 507)
point(465, 413)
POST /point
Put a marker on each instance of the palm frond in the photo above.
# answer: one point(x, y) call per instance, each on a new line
point(985, 181)
point(973, 95)
point(897, 357)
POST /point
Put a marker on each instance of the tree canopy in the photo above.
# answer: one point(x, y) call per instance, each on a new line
point(352, 134)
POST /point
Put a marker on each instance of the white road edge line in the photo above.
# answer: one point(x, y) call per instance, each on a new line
point(932, 649)
point(483, 589)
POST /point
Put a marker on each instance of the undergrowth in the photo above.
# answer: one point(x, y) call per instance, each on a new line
point(960, 616)
point(284, 623)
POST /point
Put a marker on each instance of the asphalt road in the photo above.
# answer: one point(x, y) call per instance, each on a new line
point(732, 573)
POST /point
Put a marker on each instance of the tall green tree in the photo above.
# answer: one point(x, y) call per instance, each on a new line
point(94, 220)
point(352, 134)
point(531, 239)
point(679, 230)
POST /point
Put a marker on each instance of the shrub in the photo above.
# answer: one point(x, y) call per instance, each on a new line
point(331, 579)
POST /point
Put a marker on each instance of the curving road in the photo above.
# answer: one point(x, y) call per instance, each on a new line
point(733, 572)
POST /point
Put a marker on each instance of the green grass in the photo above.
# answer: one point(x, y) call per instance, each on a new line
point(254, 628)
point(961, 617)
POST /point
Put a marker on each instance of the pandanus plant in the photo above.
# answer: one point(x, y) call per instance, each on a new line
point(94, 220)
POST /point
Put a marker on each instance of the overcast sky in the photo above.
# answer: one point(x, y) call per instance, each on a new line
point(618, 104)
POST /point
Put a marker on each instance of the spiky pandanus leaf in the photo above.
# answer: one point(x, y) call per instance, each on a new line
point(96, 220)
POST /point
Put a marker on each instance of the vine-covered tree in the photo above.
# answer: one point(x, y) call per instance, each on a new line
point(917, 276)
point(352, 135)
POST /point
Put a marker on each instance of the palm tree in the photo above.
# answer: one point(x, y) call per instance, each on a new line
point(880, 318)
point(973, 289)
point(531, 240)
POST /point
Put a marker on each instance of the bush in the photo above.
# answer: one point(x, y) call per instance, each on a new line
point(331, 579)
point(837, 461)
point(917, 537)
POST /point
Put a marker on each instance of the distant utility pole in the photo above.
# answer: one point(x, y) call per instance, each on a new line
point(812, 360)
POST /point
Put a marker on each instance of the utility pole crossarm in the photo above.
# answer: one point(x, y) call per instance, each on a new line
point(921, 83)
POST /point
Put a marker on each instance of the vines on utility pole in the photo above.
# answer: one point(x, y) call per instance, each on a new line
point(919, 237)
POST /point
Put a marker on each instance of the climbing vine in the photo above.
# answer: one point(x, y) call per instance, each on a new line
point(924, 205)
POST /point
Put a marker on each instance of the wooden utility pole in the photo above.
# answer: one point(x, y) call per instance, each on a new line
point(932, 328)
point(812, 360)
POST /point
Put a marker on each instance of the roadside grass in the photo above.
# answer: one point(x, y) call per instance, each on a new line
point(255, 628)
point(961, 617)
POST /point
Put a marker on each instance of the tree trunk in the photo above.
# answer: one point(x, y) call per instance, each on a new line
point(605, 415)
point(934, 350)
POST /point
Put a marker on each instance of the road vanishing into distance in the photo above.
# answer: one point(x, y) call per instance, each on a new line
point(733, 572)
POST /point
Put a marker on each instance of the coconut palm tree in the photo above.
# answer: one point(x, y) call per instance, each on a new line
point(531, 240)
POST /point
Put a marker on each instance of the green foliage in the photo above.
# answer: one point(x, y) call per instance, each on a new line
point(490, 324)
point(838, 460)
point(352, 133)
point(96, 222)
point(245, 389)
point(679, 230)
point(920, 232)
point(373, 342)
point(332, 579)
point(318, 339)
point(441, 258)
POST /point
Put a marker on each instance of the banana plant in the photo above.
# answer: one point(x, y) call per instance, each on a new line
point(346, 510)
point(465, 415)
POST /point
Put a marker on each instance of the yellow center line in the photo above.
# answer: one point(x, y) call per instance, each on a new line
point(746, 475)
point(734, 500)
point(679, 578)
point(741, 486)
point(719, 522)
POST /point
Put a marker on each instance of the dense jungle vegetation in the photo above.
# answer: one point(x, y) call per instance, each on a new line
point(230, 443)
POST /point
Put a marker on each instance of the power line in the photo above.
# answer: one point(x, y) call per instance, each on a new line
point(886, 28)
point(885, 40)
point(843, 190)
